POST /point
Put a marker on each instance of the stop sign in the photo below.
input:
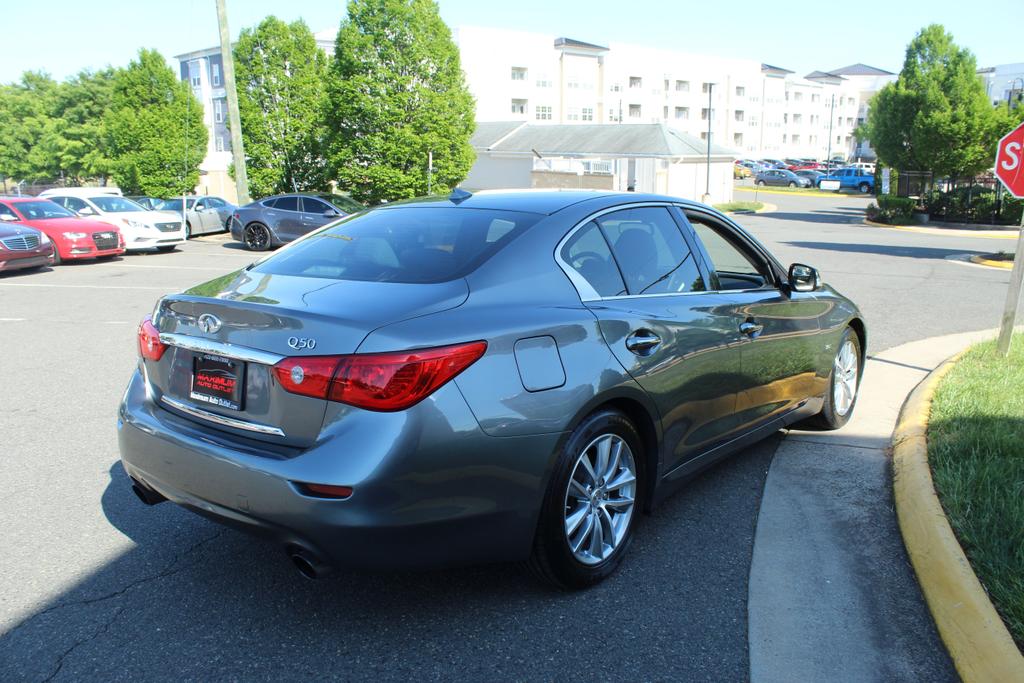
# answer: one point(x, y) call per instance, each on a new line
point(1010, 161)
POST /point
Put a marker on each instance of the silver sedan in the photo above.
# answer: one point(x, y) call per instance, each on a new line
point(203, 215)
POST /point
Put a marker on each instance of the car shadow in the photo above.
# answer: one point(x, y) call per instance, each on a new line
point(208, 602)
point(883, 249)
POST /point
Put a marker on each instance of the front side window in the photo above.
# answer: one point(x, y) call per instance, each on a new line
point(650, 251)
point(8, 213)
point(403, 244)
point(310, 205)
point(732, 265)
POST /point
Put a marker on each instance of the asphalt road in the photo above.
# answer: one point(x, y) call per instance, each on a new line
point(97, 586)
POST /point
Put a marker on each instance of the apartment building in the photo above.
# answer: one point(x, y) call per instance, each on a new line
point(754, 108)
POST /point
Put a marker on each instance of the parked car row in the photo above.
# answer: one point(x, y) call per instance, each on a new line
point(848, 178)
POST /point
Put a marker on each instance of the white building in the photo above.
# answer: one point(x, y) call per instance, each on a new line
point(756, 109)
point(1004, 83)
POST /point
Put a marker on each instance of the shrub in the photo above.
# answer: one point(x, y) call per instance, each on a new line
point(972, 205)
point(893, 210)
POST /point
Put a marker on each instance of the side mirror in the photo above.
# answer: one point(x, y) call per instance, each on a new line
point(331, 213)
point(804, 278)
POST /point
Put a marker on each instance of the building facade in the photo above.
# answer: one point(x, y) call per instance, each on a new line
point(757, 109)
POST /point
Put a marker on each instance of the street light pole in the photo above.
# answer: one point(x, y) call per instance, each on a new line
point(707, 185)
point(831, 117)
point(235, 121)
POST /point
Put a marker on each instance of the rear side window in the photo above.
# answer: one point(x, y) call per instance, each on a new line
point(650, 251)
point(6, 211)
point(287, 204)
point(413, 244)
point(588, 254)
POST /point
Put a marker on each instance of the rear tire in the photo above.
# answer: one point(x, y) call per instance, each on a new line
point(590, 508)
point(864, 188)
point(760, 183)
point(792, 184)
point(256, 237)
point(846, 372)
point(188, 230)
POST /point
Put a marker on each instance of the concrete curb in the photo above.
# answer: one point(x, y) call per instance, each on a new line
point(982, 261)
point(799, 192)
point(977, 640)
point(953, 232)
point(766, 207)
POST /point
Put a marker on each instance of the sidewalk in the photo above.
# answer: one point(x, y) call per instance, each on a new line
point(832, 595)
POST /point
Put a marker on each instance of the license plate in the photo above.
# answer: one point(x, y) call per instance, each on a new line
point(218, 381)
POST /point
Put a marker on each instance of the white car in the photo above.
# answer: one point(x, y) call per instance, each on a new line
point(142, 229)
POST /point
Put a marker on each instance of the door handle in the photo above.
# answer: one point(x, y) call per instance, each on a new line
point(751, 329)
point(642, 342)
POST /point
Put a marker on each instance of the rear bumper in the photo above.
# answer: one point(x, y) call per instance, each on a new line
point(430, 488)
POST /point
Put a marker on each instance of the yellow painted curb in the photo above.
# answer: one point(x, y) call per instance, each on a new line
point(982, 261)
point(978, 642)
point(951, 232)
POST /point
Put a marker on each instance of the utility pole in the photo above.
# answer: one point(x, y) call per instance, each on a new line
point(430, 171)
point(831, 118)
point(707, 184)
point(237, 151)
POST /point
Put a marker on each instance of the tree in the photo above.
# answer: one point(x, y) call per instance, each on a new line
point(280, 73)
point(397, 93)
point(155, 129)
point(25, 115)
point(936, 116)
point(78, 145)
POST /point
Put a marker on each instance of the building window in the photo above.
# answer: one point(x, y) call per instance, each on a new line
point(798, 96)
point(193, 74)
point(785, 118)
point(850, 101)
point(573, 84)
point(682, 86)
point(666, 85)
point(542, 113)
point(664, 112)
point(704, 112)
point(543, 82)
point(518, 106)
point(703, 135)
point(815, 98)
point(838, 139)
point(737, 139)
point(587, 114)
point(218, 110)
point(220, 143)
point(739, 115)
point(796, 139)
point(636, 82)
point(518, 73)
point(682, 113)
point(798, 118)
point(784, 138)
point(614, 116)
point(215, 75)
point(634, 111)
point(849, 122)
point(740, 91)
point(572, 114)
point(616, 87)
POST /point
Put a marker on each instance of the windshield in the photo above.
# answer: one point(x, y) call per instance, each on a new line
point(41, 210)
point(414, 244)
point(346, 204)
point(175, 204)
point(115, 204)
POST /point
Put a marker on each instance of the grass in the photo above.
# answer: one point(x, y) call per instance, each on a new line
point(740, 206)
point(976, 451)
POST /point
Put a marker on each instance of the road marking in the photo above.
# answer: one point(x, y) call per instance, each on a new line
point(133, 265)
point(33, 284)
point(12, 320)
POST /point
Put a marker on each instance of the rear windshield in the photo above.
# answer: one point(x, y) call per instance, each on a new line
point(412, 244)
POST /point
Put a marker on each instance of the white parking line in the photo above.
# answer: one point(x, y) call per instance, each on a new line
point(12, 320)
point(136, 265)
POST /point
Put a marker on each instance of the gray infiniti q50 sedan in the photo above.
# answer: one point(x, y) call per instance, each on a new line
point(494, 377)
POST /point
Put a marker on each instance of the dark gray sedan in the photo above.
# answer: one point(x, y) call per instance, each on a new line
point(277, 220)
point(490, 377)
point(782, 178)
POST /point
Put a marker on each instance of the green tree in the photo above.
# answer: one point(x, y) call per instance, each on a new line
point(936, 116)
point(25, 115)
point(78, 145)
point(397, 93)
point(155, 129)
point(280, 73)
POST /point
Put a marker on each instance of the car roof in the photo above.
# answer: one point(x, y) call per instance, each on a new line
point(529, 201)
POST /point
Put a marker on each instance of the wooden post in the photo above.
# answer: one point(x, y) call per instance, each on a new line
point(234, 121)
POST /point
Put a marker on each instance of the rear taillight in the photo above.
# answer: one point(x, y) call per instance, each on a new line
point(150, 345)
point(377, 381)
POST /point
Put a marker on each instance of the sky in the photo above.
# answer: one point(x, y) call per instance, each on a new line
point(63, 37)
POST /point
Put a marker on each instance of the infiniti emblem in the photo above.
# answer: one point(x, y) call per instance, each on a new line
point(209, 323)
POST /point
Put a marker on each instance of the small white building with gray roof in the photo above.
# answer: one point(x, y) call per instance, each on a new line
point(643, 157)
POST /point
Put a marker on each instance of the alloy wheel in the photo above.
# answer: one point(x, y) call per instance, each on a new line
point(257, 238)
point(844, 386)
point(600, 498)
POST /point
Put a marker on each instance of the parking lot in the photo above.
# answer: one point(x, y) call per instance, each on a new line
point(98, 585)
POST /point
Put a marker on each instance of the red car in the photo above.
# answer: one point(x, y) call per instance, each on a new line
point(73, 237)
point(23, 247)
